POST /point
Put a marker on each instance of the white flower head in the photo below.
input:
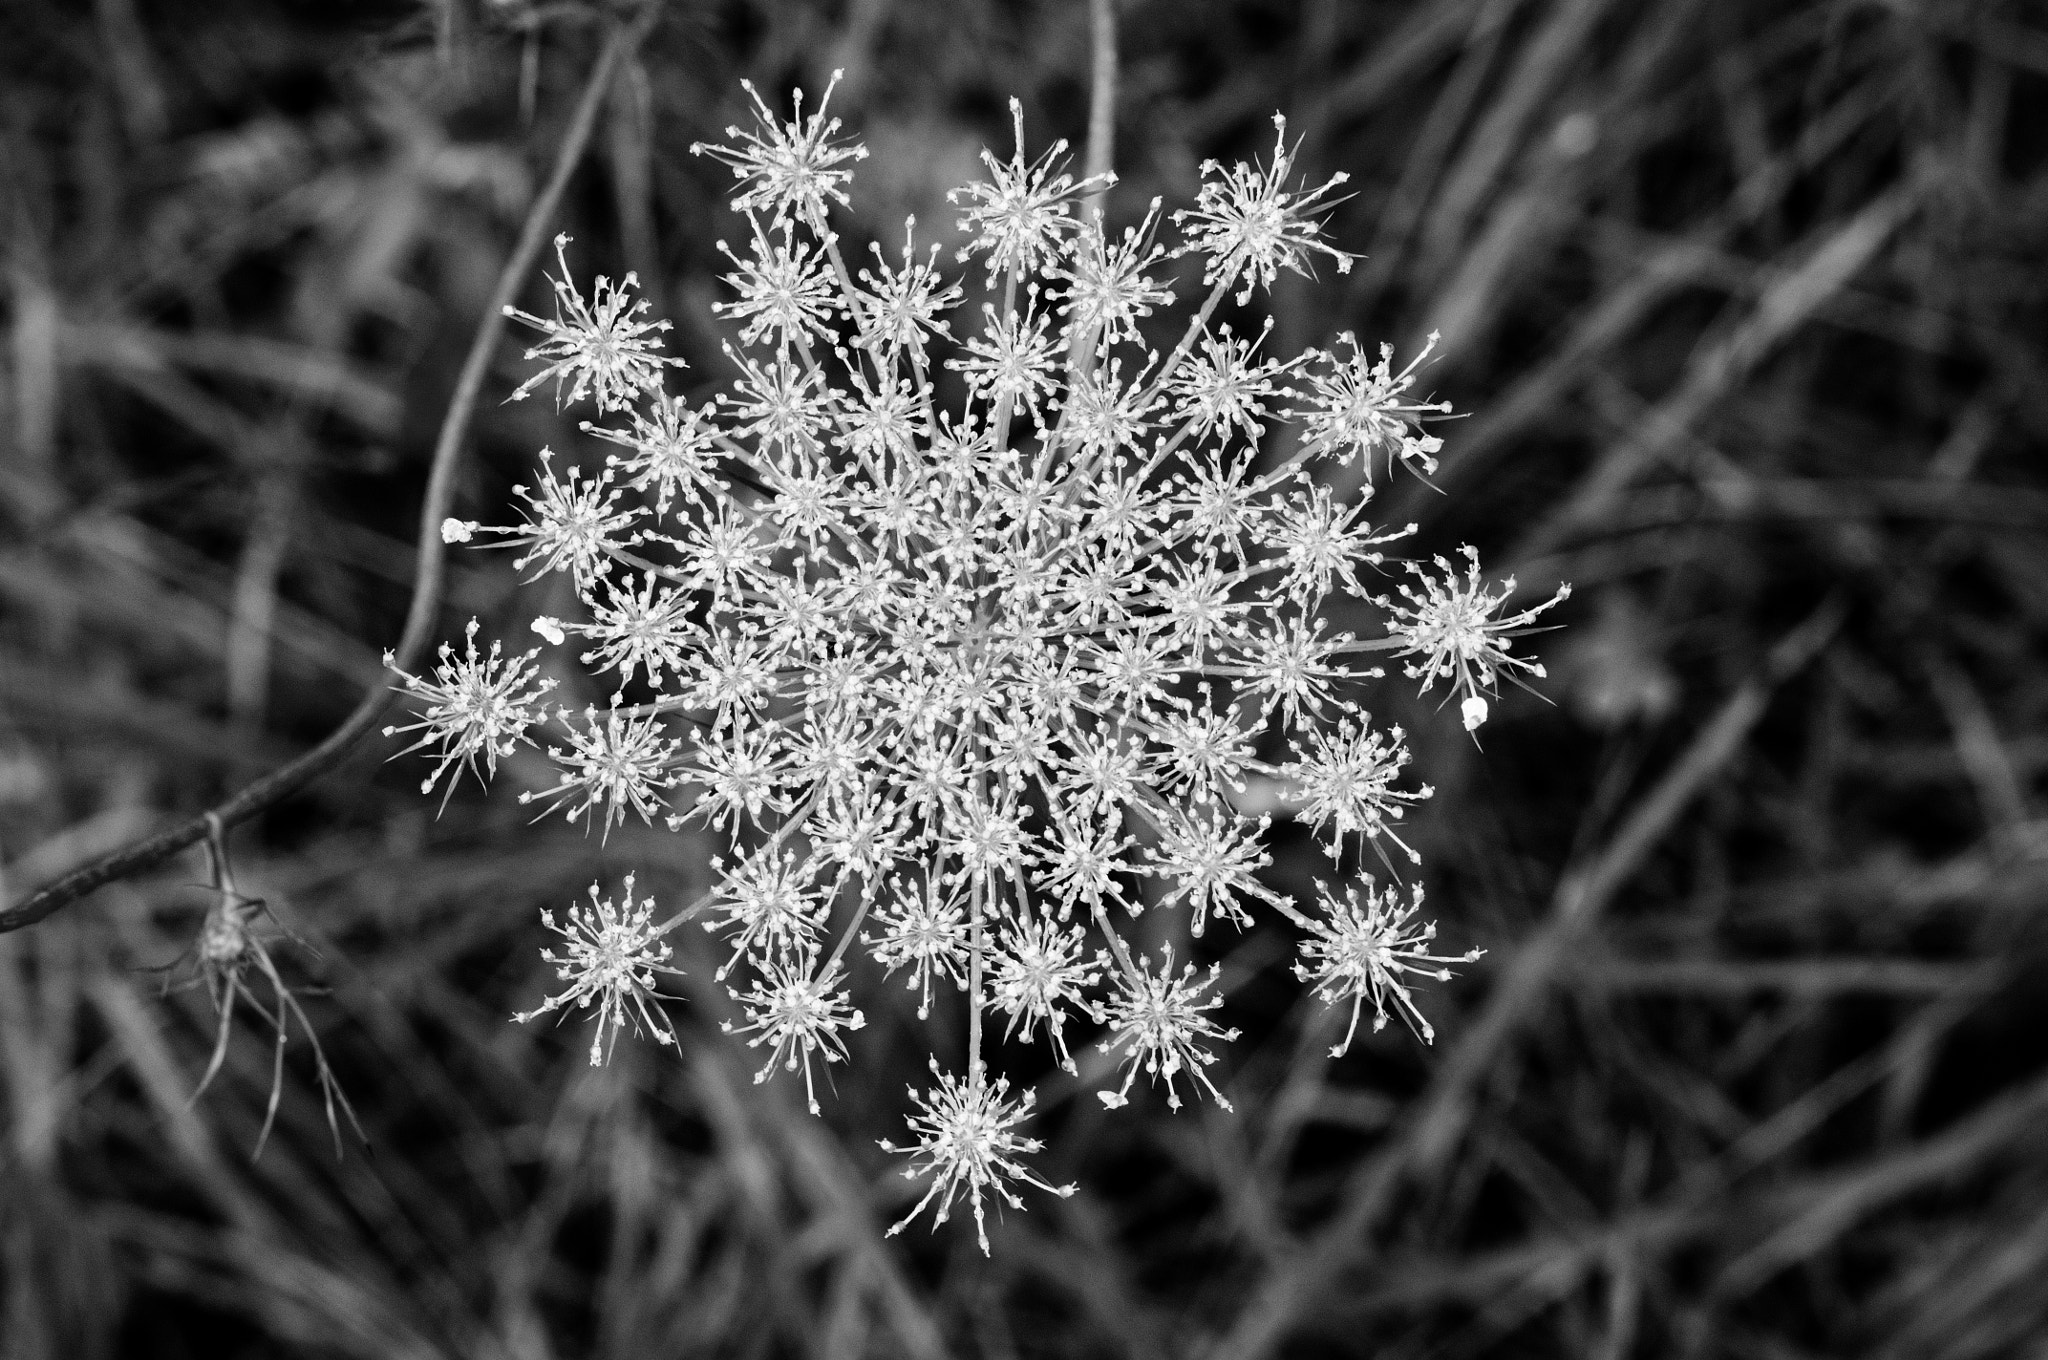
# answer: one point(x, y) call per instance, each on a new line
point(800, 1013)
point(1365, 951)
point(1361, 410)
point(671, 450)
point(643, 630)
point(1162, 1024)
point(967, 1141)
point(1107, 291)
point(924, 928)
point(610, 955)
point(1225, 387)
point(573, 523)
point(784, 290)
point(618, 762)
point(1024, 208)
point(600, 347)
point(788, 168)
point(958, 625)
point(1212, 858)
point(1325, 545)
point(901, 304)
point(1344, 780)
point(1251, 226)
point(475, 707)
point(1041, 975)
point(1012, 362)
point(770, 909)
point(1458, 631)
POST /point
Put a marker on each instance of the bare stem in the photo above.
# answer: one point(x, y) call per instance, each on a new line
point(1099, 161)
point(974, 947)
point(1100, 158)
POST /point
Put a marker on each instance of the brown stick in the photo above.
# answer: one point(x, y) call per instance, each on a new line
point(427, 572)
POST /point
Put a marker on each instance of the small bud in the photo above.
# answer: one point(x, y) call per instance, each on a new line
point(457, 530)
point(551, 629)
point(1474, 709)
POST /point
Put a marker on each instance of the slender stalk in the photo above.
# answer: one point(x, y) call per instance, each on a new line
point(1100, 158)
point(428, 568)
point(1098, 162)
point(1001, 420)
point(974, 950)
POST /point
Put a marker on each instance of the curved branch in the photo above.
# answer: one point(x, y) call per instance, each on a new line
point(427, 570)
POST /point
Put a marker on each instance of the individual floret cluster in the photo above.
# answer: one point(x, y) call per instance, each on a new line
point(1459, 630)
point(474, 707)
point(969, 647)
point(611, 952)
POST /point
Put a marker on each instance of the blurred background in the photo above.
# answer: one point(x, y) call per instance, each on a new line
point(1748, 301)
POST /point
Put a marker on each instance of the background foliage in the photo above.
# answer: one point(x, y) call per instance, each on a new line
point(1748, 302)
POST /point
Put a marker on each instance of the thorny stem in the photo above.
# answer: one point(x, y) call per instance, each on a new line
point(427, 571)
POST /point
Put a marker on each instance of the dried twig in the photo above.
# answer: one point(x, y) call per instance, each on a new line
point(426, 597)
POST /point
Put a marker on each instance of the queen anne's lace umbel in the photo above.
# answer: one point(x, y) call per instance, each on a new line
point(971, 649)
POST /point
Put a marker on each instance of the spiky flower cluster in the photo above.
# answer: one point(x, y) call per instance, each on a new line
point(611, 954)
point(968, 646)
point(1458, 632)
point(475, 707)
point(967, 1140)
point(1364, 952)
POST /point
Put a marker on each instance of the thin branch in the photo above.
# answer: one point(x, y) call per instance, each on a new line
point(427, 573)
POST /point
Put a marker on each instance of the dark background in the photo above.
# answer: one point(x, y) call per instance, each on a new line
point(1746, 300)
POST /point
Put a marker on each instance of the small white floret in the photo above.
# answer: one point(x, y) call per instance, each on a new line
point(457, 530)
